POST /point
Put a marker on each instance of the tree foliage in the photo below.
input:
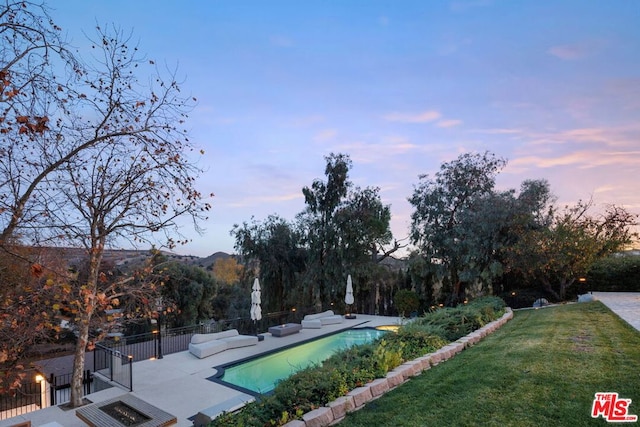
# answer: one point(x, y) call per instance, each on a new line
point(273, 252)
point(227, 270)
point(344, 229)
point(557, 255)
point(187, 294)
point(340, 232)
point(441, 205)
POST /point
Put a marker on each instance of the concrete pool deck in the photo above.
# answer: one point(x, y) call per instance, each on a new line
point(178, 383)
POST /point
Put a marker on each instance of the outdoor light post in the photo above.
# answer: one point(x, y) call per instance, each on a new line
point(159, 309)
point(44, 395)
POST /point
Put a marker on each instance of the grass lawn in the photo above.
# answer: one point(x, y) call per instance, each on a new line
point(541, 369)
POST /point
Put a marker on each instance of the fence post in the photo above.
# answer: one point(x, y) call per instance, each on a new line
point(52, 390)
point(159, 341)
point(130, 372)
point(87, 382)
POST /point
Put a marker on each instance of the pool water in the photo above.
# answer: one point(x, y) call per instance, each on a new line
point(261, 375)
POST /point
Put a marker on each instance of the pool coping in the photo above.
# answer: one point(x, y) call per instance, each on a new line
point(220, 369)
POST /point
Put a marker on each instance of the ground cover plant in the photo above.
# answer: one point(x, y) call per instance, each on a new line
point(542, 368)
point(318, 385)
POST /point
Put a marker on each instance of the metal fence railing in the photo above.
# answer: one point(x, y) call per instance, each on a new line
point(60, 387)
point(38, 392)
point(154, 345)
point(113, 366)
point(27, 398)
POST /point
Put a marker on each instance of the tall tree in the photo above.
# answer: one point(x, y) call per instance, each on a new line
point(496, 223)
point(110, 163)
point(30, 49)
point(344, 230)
point(322, 201)
point(557, 255)
point(272, 250)
point(188, 291)
point(440, 204)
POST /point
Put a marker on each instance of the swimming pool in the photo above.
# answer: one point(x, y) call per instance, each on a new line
point(261, 375)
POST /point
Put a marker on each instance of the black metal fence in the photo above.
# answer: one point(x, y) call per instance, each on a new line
point(37, 392)
point(27, 398)
point(154, 345)
point(60, 387)
point(113, 366)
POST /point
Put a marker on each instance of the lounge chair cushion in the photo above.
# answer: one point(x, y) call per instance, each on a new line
point(318, 320)
point(200, 338)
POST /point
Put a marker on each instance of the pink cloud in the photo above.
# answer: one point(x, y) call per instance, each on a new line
point(424, 117)
point(448, 123)
point(574, 51)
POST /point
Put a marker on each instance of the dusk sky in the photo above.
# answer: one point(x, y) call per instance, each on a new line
point(553, 86)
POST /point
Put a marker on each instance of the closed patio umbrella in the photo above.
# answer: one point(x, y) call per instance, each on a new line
point(256, 310)
point(348, 297)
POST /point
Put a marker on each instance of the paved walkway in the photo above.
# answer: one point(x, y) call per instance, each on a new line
point(624, 304)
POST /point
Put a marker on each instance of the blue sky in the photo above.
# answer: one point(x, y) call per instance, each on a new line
point(401, 86)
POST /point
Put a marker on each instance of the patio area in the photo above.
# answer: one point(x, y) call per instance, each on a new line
point(178, 383)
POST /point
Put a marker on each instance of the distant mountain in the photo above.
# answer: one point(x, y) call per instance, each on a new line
point(127, 259)
point(206, 263)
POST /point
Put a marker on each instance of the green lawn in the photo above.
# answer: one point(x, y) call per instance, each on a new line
point(541, 369)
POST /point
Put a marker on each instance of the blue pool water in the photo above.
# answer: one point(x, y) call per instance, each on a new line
point(261, 375)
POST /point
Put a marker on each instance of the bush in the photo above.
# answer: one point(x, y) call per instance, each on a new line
point(417, 340)
point(615, 274)
point(459, 321)
point(406, 302)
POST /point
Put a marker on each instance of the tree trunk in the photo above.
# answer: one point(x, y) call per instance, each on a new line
point(549, 289)
point(87, 299)
point(78, 363)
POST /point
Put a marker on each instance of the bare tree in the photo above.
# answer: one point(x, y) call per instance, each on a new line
point(129, 188)
point(90, 155)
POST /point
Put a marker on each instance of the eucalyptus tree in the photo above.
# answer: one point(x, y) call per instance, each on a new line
point(441, 205)
point(344, 227)
point(272, 250)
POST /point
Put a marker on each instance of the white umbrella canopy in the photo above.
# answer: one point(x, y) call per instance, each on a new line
point(256, 310)
point(348, 297)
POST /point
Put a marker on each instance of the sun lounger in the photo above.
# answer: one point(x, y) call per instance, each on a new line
point(318, 320)
point(204, 345)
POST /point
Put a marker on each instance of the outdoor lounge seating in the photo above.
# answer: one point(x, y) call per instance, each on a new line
point(318, 320)
point(204, 345)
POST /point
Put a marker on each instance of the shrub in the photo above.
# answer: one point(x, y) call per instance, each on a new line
point(406, 302)
point(614, 274)
point(417, 340)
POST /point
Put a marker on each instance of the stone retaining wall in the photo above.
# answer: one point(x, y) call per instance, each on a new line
point(335, 411)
